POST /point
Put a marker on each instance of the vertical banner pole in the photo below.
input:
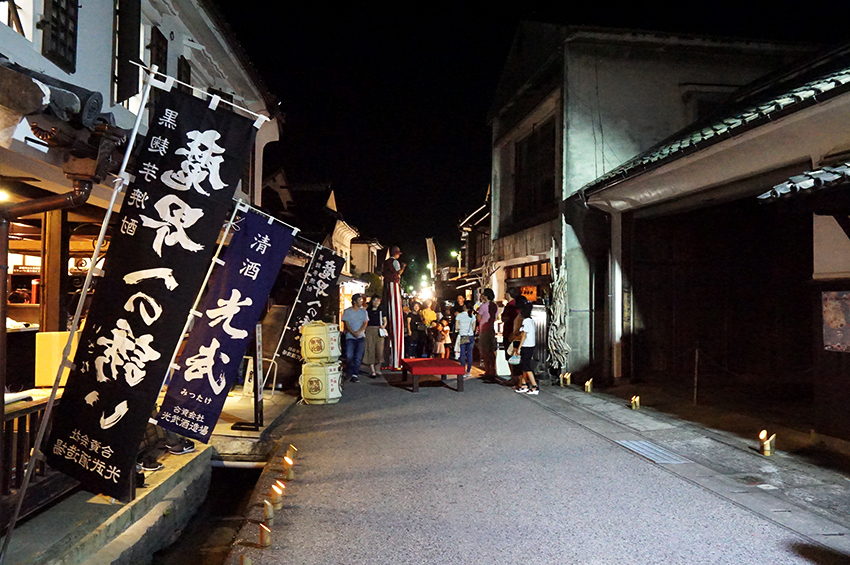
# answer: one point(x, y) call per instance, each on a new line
point(259, 381)
point(227, 227)
point(120, 181)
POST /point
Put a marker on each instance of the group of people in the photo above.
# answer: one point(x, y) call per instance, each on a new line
point(439, 333)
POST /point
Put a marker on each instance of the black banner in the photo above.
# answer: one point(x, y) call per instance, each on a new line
point(173, 211)
point(314, 299)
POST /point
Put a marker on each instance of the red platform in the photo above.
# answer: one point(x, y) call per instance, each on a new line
point(426, 366)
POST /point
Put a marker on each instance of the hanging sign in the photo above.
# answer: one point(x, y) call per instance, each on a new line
point(172, 213)
point(232, 304)
point(836, 313)
point(314, 299)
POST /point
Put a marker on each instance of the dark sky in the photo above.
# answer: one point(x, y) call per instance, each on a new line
point(391, 108)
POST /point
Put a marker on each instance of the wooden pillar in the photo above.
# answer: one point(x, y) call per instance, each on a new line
point(54, 271)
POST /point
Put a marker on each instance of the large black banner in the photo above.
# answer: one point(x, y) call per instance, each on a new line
point(320, 283)
point(232, 304)
point(188, 169)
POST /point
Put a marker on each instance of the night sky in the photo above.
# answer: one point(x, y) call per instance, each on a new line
point(392, 109)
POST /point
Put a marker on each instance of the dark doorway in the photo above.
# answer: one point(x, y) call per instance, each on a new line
point(733, 280)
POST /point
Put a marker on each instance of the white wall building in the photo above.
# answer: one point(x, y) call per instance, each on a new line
point(572, 104)
point(91, 46)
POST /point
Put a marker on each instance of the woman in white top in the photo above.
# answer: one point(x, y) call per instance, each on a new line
point(465, 327)
point(527, 341)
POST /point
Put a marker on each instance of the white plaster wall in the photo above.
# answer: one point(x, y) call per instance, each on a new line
point(831, 249)
point(94, 52)
point(622, 100)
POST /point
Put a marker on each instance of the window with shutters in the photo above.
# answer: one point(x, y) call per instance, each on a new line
point(158, 48)
point(59, 28)
point(127, 49)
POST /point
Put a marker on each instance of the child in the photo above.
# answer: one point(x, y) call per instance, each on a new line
point(447, 341)
point(435, 338)
point(527, 341)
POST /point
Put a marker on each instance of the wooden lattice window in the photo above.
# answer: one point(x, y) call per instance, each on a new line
point(60, 33)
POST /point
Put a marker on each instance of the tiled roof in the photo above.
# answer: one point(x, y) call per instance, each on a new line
point(752, 111)
point(825, 177)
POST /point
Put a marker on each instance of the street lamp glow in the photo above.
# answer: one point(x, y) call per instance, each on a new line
point(430, 266)
point(424, 277)
point(455, 253)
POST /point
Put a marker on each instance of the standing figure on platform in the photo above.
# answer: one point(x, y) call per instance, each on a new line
point(392, 270)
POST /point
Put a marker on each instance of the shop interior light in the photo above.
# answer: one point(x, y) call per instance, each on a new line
point(4, 196)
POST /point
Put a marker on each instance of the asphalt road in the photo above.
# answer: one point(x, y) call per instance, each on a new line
point(489, 476)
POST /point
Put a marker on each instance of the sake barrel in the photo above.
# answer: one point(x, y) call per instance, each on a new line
point(320, 342)
point(320, 383)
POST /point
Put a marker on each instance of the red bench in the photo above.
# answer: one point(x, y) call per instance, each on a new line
point(426, 366)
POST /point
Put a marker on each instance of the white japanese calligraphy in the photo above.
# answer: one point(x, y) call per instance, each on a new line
point(158, 145)
point(250, 269)
point(261, 243)
point(201, 365)
point(227, 309)
point(124, 350)
point(166, 274)
point(174, 215)
point(203, 159)
point(128, 226)
point(137, 198)
point(168, 119)
point(149, 309)
point(149, 171)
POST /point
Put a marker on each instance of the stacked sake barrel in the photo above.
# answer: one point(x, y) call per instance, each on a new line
point(321, 372)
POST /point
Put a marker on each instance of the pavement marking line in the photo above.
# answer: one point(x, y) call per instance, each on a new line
point(825, 532)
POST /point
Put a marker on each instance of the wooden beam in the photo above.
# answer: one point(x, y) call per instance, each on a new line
point(54, 271)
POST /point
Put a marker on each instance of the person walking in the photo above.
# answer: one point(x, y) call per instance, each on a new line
point(527, 341)
point(392, 271)
point(487, 313)
point(511, 321)
point(354, 319)
point(416, 328)
point(465, 322)
point(376, 331)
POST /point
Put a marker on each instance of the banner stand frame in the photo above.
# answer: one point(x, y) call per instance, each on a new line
point(259, 382)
